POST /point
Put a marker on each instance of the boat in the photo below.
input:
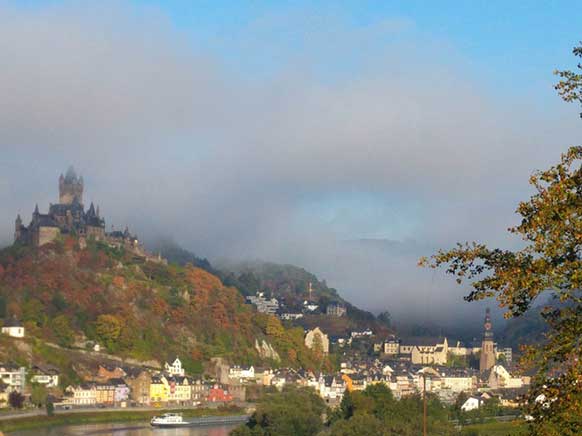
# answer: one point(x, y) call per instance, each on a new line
point(169, 420)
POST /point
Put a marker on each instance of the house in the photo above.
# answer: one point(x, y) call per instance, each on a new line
point(317, 336)
point(46, 375)
point(217, 394)
point(241, 372)
point(104, 394)
point(120, 392)
point(175, 368)
point(13, 327)
point(391, 347)
point(158, 389)
point(499, 378)
point(82, 395)
point(4, 394)
point(105, 373)
point(200, 391)
point(472, 403)
point(335, 309)
point(14, 377)
point(362, 334)
point(309, 306)
point(180, 390)
point(425, 351)
point(139, 386)
point(290, 316)
point(264, 305)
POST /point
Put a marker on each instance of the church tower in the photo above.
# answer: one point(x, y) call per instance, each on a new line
point(70, 188)
point(487, 348)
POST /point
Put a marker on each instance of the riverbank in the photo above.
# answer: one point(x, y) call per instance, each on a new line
point(514, 428)
point(96, 417)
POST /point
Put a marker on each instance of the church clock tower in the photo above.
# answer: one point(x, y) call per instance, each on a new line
point(487, 348)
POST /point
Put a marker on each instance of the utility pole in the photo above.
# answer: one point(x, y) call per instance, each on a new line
point(424, 423)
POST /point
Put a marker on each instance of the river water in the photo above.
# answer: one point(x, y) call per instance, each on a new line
point(128, 429)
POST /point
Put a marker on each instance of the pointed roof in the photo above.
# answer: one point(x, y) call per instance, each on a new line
point(71, 175)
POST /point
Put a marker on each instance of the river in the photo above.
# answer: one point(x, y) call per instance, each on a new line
point(127, 429)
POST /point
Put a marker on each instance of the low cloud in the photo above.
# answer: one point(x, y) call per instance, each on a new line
point(333, 143)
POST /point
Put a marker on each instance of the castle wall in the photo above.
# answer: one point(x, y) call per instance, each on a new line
point(46, 235)
point(96, 232)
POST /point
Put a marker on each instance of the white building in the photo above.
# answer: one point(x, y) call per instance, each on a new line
point(13, 328)
point(46, 376)
point(499, 378)
point(264, 305)
point(81, 395)
point(241, 372)
point(13, 377)
point(291, 316)
point(175, 368)
point(472, 403)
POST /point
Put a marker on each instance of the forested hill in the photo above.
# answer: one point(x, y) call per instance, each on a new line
point(68, 293)
point(288, 283)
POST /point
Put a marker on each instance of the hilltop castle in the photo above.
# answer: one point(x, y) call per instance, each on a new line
point(66, 217)
point(69, 217)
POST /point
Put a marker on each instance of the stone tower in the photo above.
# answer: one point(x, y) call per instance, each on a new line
point(70, 188)
point(18, 228)
point(487, 347)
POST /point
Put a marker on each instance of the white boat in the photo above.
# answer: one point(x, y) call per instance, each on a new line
point(169, 420)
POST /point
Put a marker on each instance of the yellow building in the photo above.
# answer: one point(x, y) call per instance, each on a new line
point(158, 390)
point(104, 394)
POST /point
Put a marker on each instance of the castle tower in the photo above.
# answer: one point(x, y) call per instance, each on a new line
point(487, 347)
point(70, 188)
point(17, 228)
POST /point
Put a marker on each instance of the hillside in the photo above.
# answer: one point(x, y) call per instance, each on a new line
point(70, 293)
point(290, 285)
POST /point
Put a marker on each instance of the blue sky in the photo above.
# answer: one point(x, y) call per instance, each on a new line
point(515, 42)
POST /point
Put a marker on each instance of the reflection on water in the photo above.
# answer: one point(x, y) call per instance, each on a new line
point(126, 429)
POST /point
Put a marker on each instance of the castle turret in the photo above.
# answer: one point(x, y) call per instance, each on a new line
point(17, 228)
point(487, 360)
point(71, 188)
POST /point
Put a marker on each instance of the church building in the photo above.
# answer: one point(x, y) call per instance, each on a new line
point(487, 360)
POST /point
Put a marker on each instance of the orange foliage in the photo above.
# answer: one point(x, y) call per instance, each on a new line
point(202, 280)
point(159, 306)
point(119, 282)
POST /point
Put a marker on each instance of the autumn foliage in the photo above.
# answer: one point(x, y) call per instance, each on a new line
point(70, 295)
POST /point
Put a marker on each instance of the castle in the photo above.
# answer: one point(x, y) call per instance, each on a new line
point(69, 217)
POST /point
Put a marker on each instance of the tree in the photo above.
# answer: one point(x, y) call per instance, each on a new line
point(50, 408)
point(385, 318)
point(108, 329)
point(360, 425)
point(16, 400)
point(63, 331)
point(549, 264)
point(293, 412)
point(38, 395)
point(347, 405)
point(570, 87)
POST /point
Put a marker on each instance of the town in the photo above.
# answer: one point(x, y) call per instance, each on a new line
point(406, 367)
